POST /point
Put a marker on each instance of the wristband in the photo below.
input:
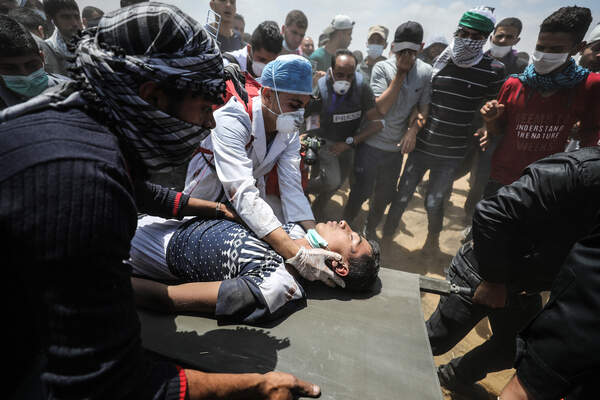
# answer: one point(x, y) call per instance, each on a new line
point(315, 240)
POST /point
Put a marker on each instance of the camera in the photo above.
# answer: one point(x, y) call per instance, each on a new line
point(310, 149)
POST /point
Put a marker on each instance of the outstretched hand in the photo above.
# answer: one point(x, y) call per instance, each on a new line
point(284, 386)
point(482, 133)
point(311, 264)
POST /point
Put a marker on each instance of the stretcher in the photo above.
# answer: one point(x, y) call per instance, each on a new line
point(371, 346)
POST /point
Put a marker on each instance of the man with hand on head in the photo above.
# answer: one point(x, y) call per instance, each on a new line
point(75, 153)
point(231, 165)
point(401, 84)
point(463, 78)
point(376, 44)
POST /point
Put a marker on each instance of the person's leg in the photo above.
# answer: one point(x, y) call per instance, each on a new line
point(414, 169)
point(441, 179)
point(386, 181)
point(498, 352)
point(330, 180)
point(455, 315)
point(365, 172)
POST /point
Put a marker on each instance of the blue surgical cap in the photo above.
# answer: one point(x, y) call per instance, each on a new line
point(289, 73)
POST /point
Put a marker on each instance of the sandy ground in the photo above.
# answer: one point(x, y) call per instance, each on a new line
point(405, 255)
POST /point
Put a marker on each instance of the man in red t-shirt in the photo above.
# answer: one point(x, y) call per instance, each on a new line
point(536, 110)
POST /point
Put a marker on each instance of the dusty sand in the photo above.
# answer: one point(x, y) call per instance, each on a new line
point(405, 254)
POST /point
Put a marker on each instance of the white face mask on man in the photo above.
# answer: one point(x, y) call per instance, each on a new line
point(288, 122)
point(340, 87)
point(374, 50)
point(499, 51)
point(545, 63)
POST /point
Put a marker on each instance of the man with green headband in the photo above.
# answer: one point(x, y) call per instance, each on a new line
point(463, 78)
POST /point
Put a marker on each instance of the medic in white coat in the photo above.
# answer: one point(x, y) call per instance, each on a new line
point(234, 160)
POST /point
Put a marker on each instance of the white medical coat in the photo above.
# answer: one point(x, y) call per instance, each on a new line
point(241, 163)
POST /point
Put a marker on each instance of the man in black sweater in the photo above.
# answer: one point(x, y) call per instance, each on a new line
point(522, 237)
point(74, 163)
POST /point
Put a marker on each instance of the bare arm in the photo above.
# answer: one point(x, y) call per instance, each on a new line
point(195, 296)
point(387, 99)
point(204, 208)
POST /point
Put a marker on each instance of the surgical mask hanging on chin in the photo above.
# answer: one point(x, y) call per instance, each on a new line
point(544, 63)
point(499, 51)
point(340, 87)
point(374, 50)
point(27, 85)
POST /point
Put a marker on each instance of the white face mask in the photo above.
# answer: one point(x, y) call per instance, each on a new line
point(499, 51)
point(340, 87)
point(257, 68)
point(374, 50)
point(544, 63)
point(288, 122)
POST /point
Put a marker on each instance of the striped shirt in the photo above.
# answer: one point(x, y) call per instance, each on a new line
point(457, 95)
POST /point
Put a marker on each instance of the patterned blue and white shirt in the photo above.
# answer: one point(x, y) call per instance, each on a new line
point(255, 286)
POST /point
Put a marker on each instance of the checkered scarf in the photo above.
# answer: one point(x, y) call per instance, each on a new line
point(463, 52)
point(144, 42)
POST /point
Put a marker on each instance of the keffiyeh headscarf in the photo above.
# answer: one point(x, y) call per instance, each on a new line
point(466, 52)
point(144, 42)
point(567, 78)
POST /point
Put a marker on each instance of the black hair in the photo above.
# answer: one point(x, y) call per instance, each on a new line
point(510, 23)
point(240, 17)
point(298, 18)
point(53, 7)
point(573, 20)
point(28, 18)
point(342, 52)
point(15, 39)
point(89, 11)
point(267, 36)
point(127, 3)
point(363, 270)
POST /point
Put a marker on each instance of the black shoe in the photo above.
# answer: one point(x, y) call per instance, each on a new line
point(460, 390)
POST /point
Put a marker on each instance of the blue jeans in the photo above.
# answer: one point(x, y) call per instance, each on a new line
point(373, 169)
point(441, 178)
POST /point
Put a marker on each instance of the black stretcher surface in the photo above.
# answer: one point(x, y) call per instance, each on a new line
point(372, 347)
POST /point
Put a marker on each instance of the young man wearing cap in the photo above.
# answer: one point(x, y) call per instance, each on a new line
point(231, 165)
point(344, 102)
point(590, 55)
point(400, 83)
point(293, 32)
point(463, 78)
point(340, 37)
point(376, 44)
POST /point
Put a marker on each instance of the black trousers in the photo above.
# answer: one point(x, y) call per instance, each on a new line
point(456, 315)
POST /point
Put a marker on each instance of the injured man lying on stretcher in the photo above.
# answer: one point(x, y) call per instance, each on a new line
point(220, 267)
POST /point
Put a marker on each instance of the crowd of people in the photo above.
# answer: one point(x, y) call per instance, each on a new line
point(150, 160)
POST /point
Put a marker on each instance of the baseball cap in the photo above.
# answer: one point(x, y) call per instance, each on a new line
point(594, 35)
point(409, 35)
point(341, 22)
point(379, 29)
